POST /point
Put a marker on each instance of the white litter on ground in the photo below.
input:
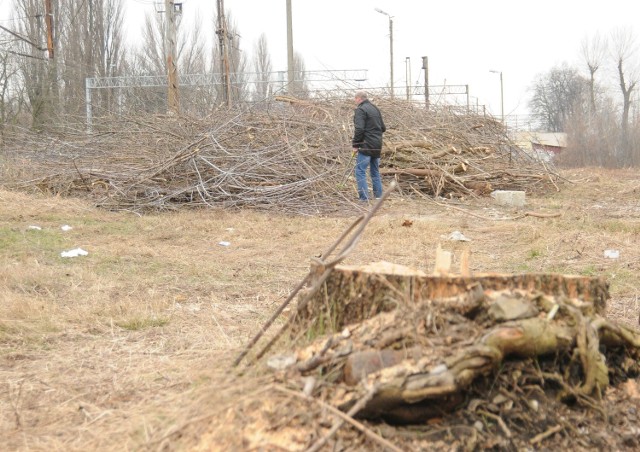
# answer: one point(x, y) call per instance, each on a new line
point(74, 253)
point(458, 236)
point(611, 254)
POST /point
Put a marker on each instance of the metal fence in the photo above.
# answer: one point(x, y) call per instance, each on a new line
point(199, 92)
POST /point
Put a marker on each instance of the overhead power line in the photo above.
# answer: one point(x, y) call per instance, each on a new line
point(22, 38)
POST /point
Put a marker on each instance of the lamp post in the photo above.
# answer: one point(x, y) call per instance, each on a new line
point(501, 94)
point(390, 45)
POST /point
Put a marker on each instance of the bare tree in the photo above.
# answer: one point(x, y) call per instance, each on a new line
point(300, 86)
point(150, 55)
point(557, 95)
point(150, 59)
point(236, 61)
point(91, 45)
point(4, 87)
point(34, 65)
point(592, 137)
point(84, 40)
point(262, 68)
point(192, 59)
point(10, 101)
point(191, 50)
point(607, 136)
point(238, 64)
point(594, 51)
point(624, 49)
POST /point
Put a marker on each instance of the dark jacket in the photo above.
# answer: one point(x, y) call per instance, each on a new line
point(369, 128)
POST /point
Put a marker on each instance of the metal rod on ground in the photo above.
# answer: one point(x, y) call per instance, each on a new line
point(328, 266)
point(267, 325)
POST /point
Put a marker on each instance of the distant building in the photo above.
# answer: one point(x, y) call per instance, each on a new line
point(544, 145)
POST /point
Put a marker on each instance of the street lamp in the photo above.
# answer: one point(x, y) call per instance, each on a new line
point(501, 95)
point(390, 44)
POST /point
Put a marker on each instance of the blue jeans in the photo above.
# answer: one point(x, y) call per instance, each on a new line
point(362, 163)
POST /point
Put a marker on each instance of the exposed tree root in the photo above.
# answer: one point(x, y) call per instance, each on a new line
point(424, 355)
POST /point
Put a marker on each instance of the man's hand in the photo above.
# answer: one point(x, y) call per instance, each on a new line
point(355, 151)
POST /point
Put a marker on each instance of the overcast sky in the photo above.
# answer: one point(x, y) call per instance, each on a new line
point(464, 39)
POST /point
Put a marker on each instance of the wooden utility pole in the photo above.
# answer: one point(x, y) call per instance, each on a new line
point(290, 75)
point(52, 103)
point(407, 62)
point(173, 105)
point(48, 20)
point(224, 53)
point(425, 67)
point(391, 52)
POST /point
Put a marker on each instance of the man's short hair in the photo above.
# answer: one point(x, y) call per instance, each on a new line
point(361, 94)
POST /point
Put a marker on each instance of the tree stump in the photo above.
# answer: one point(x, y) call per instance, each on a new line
point(352, 294)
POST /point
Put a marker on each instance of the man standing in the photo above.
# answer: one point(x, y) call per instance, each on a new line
point(367, 143)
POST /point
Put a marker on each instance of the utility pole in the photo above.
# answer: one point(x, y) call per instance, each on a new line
point(224, 53)
point(501, 98)
point(425, 68)
point(290, 75)
point(407, 62)
point(48, 20)
point(391, 51)
point(52, 69)
point(170, 47)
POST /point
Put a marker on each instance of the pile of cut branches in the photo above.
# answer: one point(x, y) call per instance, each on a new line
point(287, 155)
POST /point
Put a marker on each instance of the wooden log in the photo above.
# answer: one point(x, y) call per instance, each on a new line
point(479, 187)
point(398, 145)
point(418, 172)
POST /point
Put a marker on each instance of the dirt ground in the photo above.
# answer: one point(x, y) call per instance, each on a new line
point(130, 346)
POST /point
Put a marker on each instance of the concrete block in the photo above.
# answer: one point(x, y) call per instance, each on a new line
point(509, 198)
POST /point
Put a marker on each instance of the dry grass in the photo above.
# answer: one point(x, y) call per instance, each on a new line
point(129, 347)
